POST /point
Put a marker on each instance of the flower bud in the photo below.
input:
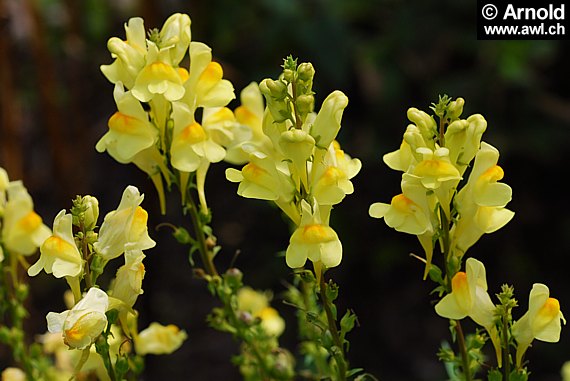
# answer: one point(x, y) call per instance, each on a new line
point(274, 89)
point(288, 75)
point(424, 122)
point(305, 104)
point(306, 72)
point(91, 213)
point(297, 145)
point(455, 108)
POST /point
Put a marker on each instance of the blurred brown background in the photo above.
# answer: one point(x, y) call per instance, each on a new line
point(386, 56)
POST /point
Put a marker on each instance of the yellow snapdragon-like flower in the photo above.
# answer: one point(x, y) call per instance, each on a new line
point(158, 339)
point(331, 178)
point(191, 143)
point(158, 77)
point(425, 124)
point(409, 212)
point(23, 230)
point(463, 139)
point(127, 285)
point(175, 36)
point(435, 168)
point(125, 225)
point(130, 131)
point(313, 240)
point(81, 325)
point(129, 55)
point(326, 125)
point(469, 298)
point(249, 114)
point(257, 304)
point(263, 179)
point(540, 322)
point(59, 254)
point(205, 86)
point(481, 203)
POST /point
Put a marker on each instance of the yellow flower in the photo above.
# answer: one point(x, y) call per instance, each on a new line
point(261, 178)
point(481, 203)
point(408, 212)
point(82, 324)
point(205, 86)
point(125, 225)
point(469, 297)
point(129, 55)
point(130, 131)
point(13, 374)
point(59, 254)
point(327, 122)
point(425, 123)
point(22, 229)
point(191, 143)
point(249, 114)
point(158, 77)
point(463, 139)
point(175, 37)
point(435, 168)
point(540, 322)
point(127, 285)
point(330, 179)
point(158, 339)
point(257, 304)
point(313, 240)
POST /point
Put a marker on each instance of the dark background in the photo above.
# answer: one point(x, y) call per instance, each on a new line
point(386, 56)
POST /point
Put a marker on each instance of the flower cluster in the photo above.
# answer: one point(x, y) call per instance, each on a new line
point(158, 98)
point(79, 252)
point(433, 161)
point(437, 207)
point(295, 161)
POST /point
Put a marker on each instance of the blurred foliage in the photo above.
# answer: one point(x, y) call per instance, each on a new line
point(386, 55)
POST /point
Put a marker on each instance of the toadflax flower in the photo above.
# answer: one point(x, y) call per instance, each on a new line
point(59, 254)
point(257, 304)
point(481, 203)
point(313, 240)
point(81, 325)
point(540, 322)
point(125, 225)
point(22, 230)
point(469, 297)
point(130, 131)
point(158, 339)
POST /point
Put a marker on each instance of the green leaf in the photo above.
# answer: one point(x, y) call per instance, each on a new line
point(494, 375)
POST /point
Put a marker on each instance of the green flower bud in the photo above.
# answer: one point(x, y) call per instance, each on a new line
point(234, 278)
point(455, 109)
point(306, 72)
point(288, 75)
point(91, 213)
point(297, 145)
point(305, 104)
point(273, 89)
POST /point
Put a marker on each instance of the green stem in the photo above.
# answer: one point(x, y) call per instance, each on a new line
point(339, 355)
point(205, 254)
point(506, 362)
point(463, 351)
point(86, 257)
